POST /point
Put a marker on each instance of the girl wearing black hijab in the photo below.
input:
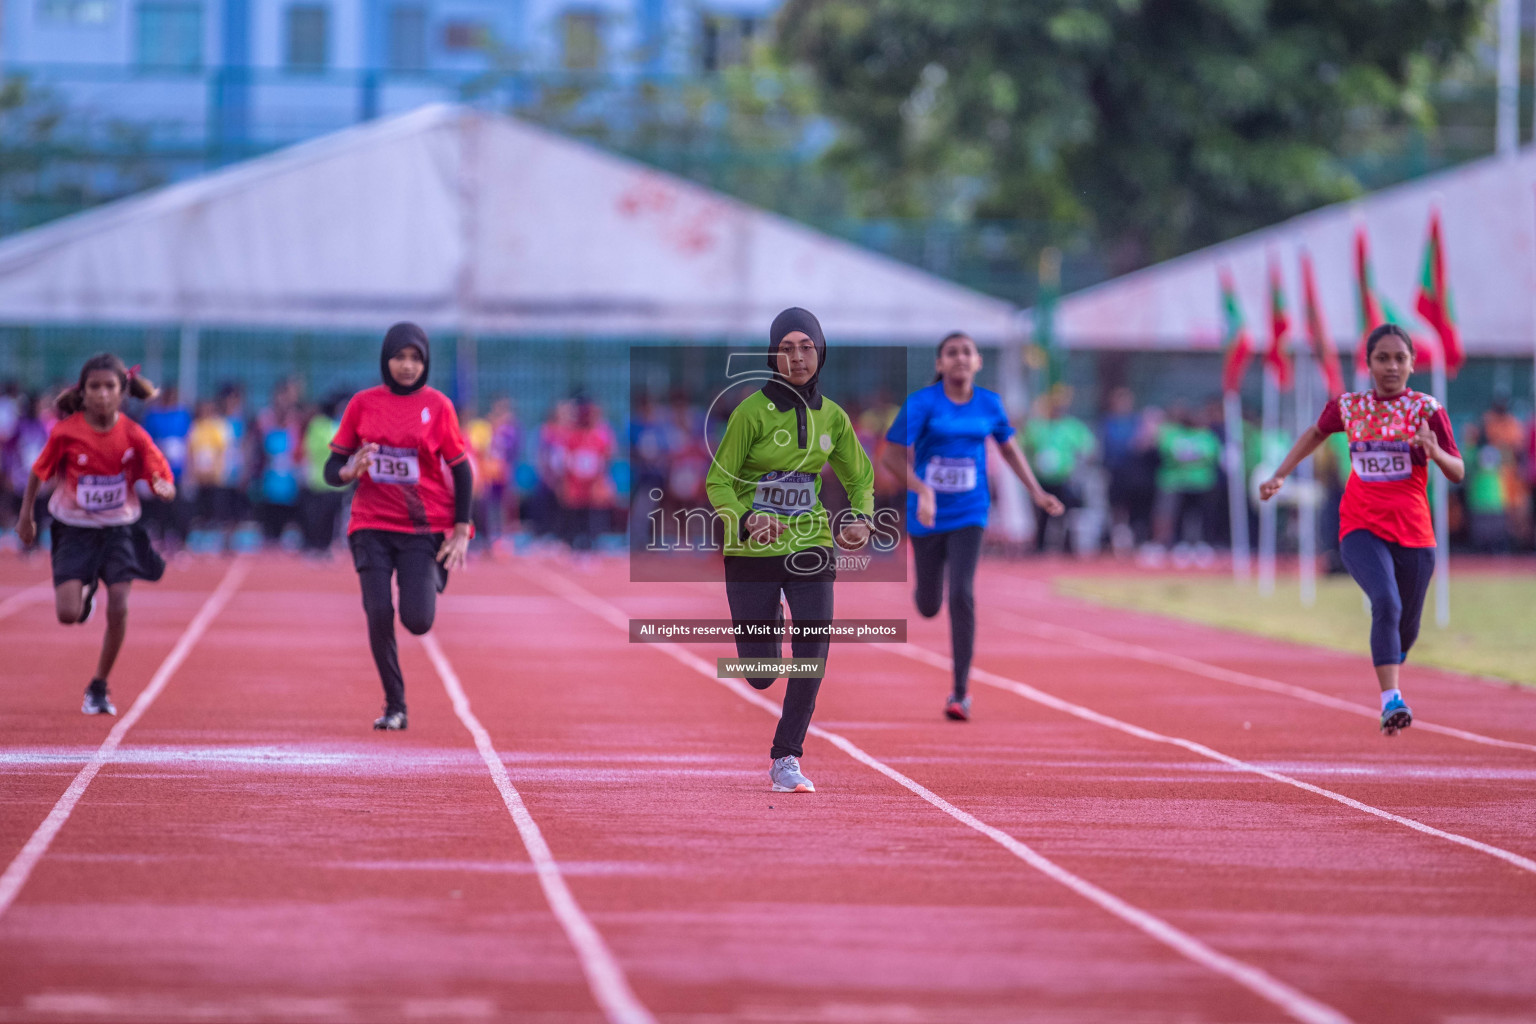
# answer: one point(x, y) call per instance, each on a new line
point(407, 519)
point(765, 483)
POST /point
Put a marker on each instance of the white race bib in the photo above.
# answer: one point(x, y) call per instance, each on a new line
point(102, 493)
point(1381, 461)
point(950, 476)
point(785, 492)
point(396, 466)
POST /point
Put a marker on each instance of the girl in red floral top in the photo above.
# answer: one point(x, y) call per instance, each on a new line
point(1386, 537)
point(97, 454)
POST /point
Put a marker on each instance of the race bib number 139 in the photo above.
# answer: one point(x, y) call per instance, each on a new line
point(1381, 461)
point(396, 466)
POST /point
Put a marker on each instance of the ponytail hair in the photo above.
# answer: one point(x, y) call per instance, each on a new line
point(72, 400)
point(951, 336)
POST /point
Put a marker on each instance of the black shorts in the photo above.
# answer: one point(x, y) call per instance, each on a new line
point(113, 554)
point(381, 549)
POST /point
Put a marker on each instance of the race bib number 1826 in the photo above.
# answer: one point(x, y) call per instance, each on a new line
point(1381, 461)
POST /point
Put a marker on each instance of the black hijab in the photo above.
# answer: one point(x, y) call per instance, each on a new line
point(405, 335)
point(780, 390)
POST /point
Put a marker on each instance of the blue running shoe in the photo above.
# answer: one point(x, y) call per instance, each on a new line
point(1395, 717)
point(786, 777)
point(958, 709)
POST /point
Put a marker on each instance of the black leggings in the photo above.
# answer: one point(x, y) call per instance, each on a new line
point(1396, 579)
point(810, 602)
point(961, 550)
point(379, 555)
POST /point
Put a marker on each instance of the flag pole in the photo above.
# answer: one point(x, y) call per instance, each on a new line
point(1237, 490)
point(1442, 511)
point(1306, 494)
point(1268, 421)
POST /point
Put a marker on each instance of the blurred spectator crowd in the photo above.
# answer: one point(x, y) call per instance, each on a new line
point(1137, 480)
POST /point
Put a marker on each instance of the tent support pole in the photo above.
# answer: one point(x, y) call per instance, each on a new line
point(1237, 493)
point(186, 371)
point(1442, 512)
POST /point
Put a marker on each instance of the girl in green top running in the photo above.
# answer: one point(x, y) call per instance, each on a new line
point(765, 483)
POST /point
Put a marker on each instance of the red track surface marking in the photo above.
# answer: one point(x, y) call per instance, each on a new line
point(20, 868)
point(17, 601)
point(1294, 1003)
point(1117, 648)
point(609, 986)
point(1089, 715)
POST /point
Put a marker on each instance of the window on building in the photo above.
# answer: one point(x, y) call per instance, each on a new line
point(307, 44)
point(581, 37)
point(464, 36)
point(75, 12)
point(170, 35)
point(725, 40)
point(407, 38)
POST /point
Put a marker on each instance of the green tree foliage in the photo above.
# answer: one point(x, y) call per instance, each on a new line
point(1158, 126)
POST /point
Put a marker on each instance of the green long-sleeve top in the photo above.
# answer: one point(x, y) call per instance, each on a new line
point(760, 467)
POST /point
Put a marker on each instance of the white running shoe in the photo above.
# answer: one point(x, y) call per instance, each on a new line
point(786, 776)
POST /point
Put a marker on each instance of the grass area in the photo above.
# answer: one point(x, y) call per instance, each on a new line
point(1492, 630)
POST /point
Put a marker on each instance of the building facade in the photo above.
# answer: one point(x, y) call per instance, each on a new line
point(244, 75)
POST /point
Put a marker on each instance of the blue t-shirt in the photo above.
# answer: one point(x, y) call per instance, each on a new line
point(169, 428)
point(949, 452)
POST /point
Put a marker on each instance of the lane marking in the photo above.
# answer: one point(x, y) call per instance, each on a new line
point(604, 975)
point(20, 869)
point(19, 600)
point(1297, 1004)
point(1151, 655)
point(1049, 700)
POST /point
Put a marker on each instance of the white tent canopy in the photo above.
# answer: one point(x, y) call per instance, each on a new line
point(1488, 214)
point(464, 220)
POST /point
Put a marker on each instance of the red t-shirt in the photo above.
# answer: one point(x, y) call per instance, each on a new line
point(99, 469)
point(409, 488)
point(584, 480)
point(1387, 491)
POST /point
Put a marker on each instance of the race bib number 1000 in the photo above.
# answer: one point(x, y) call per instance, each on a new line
point(785, 492)
point(951, 476)
point(396, 466)
point(1381, 461)
point(102, 493)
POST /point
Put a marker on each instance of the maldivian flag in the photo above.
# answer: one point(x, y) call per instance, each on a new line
point(1277, 359)
point(1237, 342)
point(1375, 311)
point(1434, 301)
point(1317, 331)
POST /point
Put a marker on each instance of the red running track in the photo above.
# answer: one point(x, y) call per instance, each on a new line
point(1142, 823)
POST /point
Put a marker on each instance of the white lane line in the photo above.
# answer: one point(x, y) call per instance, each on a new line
point(1297, 1004)
point(20, 869)
point(19, 600)
point(1049, 700)
point(604, 975)
point(1152, 656)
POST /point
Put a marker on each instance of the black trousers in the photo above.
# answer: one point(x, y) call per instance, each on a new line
point(960, 550)
point(379, 555)
point(322, 511)
point(753, 586)
point(1395, 579)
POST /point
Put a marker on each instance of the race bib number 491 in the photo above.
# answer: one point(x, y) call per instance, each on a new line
point(785, 492)
point(102, 493)
point(951, 476)
point(396, 466)
point(1381, 461)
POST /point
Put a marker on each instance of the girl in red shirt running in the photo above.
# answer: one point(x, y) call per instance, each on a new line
point(98, 453)
point(401, 442)
point(1386, 537)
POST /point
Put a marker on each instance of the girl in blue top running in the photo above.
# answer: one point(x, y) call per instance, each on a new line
point(938, 441)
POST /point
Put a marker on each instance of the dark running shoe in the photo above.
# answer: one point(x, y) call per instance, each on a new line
point(958, 709)
point(1395, 717)
point(390, 720)
point(96, 700)
point(89, 604)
